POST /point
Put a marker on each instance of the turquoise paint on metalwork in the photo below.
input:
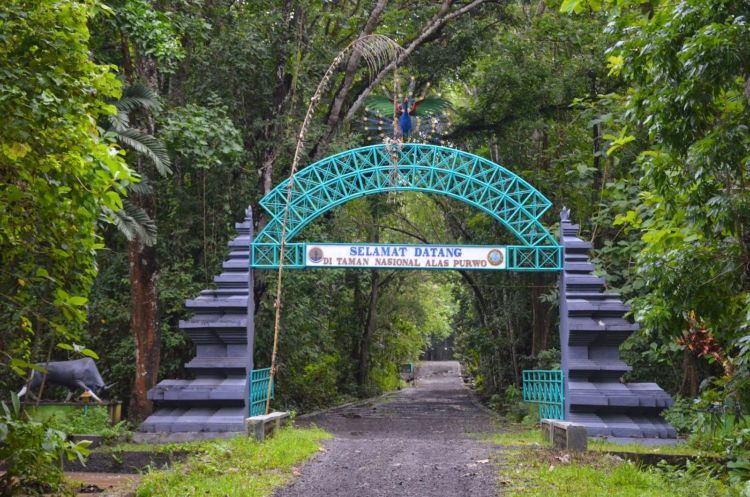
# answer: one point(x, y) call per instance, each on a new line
point(259, 379)
point(413, 167)
point(546, 388)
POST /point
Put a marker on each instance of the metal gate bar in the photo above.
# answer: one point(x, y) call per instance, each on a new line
point(546, 388)
point(259, 379)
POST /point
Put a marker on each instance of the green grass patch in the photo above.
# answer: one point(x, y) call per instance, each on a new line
point(235, 467)
point(77, 420)
point(545, 473)
point(158, 448)
point(518, 438)
point(679, 449)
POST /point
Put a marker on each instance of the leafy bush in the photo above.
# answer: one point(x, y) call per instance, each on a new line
point(729, 435)
point(32, 452)
point(95, 421)
point(512, 406)
point(548, 359)
point(682, 415)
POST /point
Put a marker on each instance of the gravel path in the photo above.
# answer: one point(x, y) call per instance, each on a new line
point(413, 443)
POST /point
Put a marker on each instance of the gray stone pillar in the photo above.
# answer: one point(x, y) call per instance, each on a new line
point(223, 330)
point(592, 327)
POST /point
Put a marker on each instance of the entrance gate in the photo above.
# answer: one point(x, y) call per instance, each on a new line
point(591, 321)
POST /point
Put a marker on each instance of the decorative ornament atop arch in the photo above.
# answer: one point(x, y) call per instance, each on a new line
point(409, 167)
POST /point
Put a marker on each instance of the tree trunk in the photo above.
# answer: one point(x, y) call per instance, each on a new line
point(144, 318)
point(369, 325)
point(690, 378)
point(143, 267)
point(367, 331)
point(512, 336)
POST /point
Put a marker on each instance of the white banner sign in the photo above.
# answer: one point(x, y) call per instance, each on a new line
point(404, 256)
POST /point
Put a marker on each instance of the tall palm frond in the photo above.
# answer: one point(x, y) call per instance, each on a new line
point(143, 187)
point(138, 97)
point(133, 222)
point(151, 148)
point(135, 97)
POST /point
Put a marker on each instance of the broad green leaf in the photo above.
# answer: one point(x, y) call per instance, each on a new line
point(77, 300)
point(90, 353)
point(569, 6)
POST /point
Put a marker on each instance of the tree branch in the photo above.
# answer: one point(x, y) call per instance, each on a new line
point(438, 21)
point(334, 114)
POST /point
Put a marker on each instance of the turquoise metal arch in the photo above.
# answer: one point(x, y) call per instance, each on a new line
point(413, 167)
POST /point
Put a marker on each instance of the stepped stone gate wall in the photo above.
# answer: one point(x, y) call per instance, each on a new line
point(592, 327)
point(223, 331)
point(591, 321)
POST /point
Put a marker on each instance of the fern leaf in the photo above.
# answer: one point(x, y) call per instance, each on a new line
point(148, 146)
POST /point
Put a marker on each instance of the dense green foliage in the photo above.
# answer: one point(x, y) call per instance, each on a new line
point(56, 173)
point(79, 420)
point(58, 176)
point(32, 451)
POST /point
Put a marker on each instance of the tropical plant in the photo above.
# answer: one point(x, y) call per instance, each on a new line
point(132, 220)
point(57, 173)
point(32, 453)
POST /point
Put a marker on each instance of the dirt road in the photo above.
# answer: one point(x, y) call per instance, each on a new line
point(418, 442)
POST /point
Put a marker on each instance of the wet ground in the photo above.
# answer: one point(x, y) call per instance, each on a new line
point(109, 484)
point(418, 442)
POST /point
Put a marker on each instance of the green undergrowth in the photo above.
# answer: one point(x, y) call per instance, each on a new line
point(235, 467)
point(526, 438)
point(679, 449)
point(75, 420)
point(530, 472)
point(158, 448)
point(517, 438)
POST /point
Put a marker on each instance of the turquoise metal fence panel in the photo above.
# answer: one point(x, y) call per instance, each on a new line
point(406, 371)
point(376, 169)
point(259, 379)
point(546, 388)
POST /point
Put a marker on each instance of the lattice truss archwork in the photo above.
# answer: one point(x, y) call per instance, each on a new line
point(415, 167)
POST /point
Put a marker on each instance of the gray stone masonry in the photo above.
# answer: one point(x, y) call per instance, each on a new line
point(260, 427)
point(592, 327)
point(222, 330)
point(564, 435)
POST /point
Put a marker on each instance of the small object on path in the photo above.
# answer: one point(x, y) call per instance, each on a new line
point(90, 489)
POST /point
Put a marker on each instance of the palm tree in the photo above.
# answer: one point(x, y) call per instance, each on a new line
point(136, 221)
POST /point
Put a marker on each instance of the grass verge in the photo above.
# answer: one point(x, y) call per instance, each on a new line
point(539, 472)
point(521, 437)
point(518, 438)
point(235, 467)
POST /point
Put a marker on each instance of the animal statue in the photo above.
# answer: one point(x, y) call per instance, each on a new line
point(79, 373)
point(412, 119)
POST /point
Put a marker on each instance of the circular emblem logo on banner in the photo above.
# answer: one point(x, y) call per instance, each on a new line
point(495, 257)
point(315, 254)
